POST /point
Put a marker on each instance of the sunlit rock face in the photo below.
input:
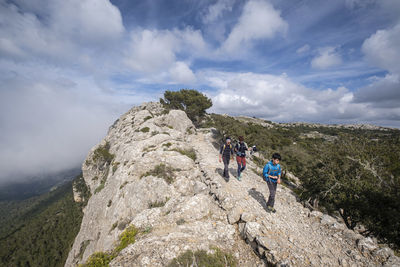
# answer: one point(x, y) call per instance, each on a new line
point(155, 171)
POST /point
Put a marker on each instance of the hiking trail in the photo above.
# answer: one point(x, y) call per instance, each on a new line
point(181, 203)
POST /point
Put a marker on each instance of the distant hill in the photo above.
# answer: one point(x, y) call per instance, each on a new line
point(27, 187)
point(39, 231)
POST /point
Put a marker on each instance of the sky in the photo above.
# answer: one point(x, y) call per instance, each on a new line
point(68, 69)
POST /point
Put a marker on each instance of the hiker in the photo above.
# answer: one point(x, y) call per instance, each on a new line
point(226, 153)
point(240, 149)
point(253, 149)
point(272, 174)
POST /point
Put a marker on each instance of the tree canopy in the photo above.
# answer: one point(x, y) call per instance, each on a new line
point(191, 101)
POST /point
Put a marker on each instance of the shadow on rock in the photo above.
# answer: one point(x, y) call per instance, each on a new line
point(233, 172)
point(220, 171)
point(259, 197)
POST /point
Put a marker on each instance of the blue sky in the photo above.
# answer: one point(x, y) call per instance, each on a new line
point(68, 69)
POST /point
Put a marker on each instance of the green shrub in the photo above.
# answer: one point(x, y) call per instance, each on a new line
point(162, 171)
point(102, 154)
point(126, 238)
point(123, 185)
point(80, 185)
point(203, 259)
point(187, 152)
point(98, 259)
point(146, 230)
point(82, 248)
point(149, 148)
point(180, 221)
point(103, 259)
point(145, 130)
point(167, 144)
point(115, 166)
point(147, 118)
point(101, 186)
point(113, 226)
point(158, 204)
point(259, 162)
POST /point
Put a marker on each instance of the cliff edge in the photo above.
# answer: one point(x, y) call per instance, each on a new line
point(155, 171)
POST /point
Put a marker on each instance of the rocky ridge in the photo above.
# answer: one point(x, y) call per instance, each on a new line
point(193, 207)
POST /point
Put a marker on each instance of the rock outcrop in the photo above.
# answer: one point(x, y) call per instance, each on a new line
point(155, 171)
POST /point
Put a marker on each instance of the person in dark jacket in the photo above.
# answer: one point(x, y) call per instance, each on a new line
point(226, 153)
point(240, 149)
point(272, 174)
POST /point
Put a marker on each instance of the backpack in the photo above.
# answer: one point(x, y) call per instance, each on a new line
point(230, 146)
point(238, 153)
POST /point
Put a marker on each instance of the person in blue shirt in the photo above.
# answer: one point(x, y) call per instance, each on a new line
point(272, 174)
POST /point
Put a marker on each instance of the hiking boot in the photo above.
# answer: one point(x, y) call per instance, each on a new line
point(271, 209)
point(238, 177)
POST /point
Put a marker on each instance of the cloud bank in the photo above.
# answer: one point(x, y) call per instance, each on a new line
point(280, 99)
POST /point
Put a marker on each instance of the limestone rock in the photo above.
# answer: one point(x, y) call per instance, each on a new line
point(366, 245)
point(327, 220)
point(251, 230)
point(383, 254)
point(234, 215)
point(148, 178)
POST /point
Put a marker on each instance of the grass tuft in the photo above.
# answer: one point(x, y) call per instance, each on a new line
point(202, 258)
point(145, 130)
point(147, 118)
point(187, 152)
point(162, 171)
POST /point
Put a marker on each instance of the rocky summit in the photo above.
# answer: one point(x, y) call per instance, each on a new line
point(155, 171)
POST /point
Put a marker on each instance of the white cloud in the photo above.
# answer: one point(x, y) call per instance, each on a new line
point(61, 30)
point(327, 57)
point(216, 10)
point(280, 99)
point(154, 52)
point(384, 92)
point(382, 49)
point(305, 48)
point(259, 20)
point(88, 20)
point(151, 51)
point(181, 73)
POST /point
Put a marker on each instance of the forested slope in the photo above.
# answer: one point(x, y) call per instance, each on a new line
point(39, 231)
